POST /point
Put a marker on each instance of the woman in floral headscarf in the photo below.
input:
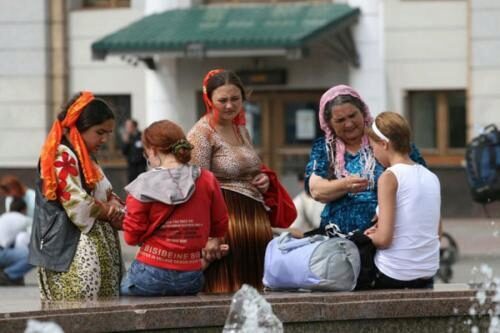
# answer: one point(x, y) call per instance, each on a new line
point(342, 171)
point(83, 264)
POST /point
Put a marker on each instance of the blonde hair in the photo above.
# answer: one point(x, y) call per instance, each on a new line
point(395, 128)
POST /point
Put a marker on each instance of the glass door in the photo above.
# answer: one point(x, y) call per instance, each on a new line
point(283, 126)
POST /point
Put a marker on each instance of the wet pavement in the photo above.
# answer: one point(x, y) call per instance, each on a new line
point(479, 244)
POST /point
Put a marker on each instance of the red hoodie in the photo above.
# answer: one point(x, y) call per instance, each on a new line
point(178, 242)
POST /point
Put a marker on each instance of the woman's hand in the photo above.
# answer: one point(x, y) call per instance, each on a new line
point(117, 223)
point(328, 190)
point(355, 184)
point(112, 212)
point(214, 249)
point(115, 199)
point(261, 181)
point(116, 213)
point(296, 233)
point(370, 231)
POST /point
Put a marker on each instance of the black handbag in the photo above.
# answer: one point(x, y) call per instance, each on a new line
point(367, 251)
point(54, 237)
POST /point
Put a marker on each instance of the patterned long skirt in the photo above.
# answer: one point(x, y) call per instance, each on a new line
point(248, 234)
point(95, 271)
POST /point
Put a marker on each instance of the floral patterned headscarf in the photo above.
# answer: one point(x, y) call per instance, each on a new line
point(335, 145)
point(49, 149)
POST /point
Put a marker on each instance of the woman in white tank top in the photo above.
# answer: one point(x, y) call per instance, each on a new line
point(407, 232)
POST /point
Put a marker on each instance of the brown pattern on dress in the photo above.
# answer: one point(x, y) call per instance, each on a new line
point(234, 166)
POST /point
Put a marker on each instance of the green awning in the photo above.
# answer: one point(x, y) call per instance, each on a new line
point(225, 28)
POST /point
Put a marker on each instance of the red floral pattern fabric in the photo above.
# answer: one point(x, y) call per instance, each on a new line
point(67, 166)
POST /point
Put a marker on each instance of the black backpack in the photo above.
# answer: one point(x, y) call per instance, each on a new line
point(482, 157)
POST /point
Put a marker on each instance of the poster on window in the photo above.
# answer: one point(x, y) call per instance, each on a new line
point(305, 124)
point(249, 124)
point(250, 111)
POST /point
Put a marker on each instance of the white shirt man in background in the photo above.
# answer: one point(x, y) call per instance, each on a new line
point(14, 239)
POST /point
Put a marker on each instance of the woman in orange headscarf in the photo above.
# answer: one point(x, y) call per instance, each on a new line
point(70, 176)
point(222, 145)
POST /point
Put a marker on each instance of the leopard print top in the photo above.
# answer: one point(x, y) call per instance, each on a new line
point(233, 165)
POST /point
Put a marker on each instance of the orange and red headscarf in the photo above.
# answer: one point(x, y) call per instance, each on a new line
point(49, 149)
point(239, 120)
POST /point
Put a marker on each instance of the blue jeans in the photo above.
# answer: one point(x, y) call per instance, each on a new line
point(14, 262)
point(146, 280)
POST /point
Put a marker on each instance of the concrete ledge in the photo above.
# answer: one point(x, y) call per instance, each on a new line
point(377, 311)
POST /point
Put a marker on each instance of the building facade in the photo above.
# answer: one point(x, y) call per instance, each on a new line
point(435, 62)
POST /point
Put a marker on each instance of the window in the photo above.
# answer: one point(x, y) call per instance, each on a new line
point(111, 152)
point(105, 3)
point(284, 126)
point(301, 122)
point(438, 121)
point(253, 115)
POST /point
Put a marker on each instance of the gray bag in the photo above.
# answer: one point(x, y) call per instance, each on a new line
point(312, 263)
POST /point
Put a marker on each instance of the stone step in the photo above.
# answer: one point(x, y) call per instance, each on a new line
point(377, 311)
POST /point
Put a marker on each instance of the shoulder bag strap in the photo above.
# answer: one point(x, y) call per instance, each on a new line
point(165, 220)
point(149, 234)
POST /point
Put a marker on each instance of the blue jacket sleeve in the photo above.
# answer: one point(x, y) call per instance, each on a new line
point(318, 162)
point(416, 156)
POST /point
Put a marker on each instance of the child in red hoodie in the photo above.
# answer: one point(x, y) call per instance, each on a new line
point(176, 213)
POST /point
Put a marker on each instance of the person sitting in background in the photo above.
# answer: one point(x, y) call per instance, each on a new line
point(176, 213)
point(308, 209)
point(133, 150)
point(13, 188)
point(409, 202)
point(14, 228)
